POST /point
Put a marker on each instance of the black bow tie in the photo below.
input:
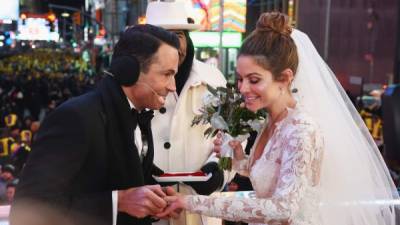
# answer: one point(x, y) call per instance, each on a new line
point(143, 118)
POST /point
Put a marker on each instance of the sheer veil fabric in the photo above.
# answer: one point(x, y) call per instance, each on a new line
point(356, 187)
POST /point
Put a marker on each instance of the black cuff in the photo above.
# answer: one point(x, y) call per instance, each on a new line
point(216, 180)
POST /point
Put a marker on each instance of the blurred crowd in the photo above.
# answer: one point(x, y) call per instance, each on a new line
point(32, 85)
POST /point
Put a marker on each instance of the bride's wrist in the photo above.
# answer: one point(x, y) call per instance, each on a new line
point(185, 201)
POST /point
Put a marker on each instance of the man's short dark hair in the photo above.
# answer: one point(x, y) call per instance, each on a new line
point(143, 41)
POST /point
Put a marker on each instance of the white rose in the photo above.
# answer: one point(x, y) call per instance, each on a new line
point(218, 122)
point(255, 124)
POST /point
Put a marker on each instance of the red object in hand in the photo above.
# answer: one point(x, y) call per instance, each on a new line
point(196, 174)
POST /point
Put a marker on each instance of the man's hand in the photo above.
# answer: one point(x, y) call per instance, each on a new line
point(142, 201)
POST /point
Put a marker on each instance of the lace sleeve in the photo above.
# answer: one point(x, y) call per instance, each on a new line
point(300, 153)
point(241, 166)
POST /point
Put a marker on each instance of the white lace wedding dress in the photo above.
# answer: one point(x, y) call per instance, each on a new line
point(285, 178)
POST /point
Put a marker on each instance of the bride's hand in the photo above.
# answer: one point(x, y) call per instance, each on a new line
point(175, 206)
point(217, 144)
point(238, 152)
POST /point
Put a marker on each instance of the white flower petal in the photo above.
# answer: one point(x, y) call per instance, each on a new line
point(218, 122)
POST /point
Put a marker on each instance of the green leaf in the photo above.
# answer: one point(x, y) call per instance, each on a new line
point(222, 89)
point(215, 132)
point(212, 90)
point(208, 131)
point(225, 163)
point(196, 120)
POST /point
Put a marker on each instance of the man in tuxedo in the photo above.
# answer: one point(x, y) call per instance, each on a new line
point(93, 155)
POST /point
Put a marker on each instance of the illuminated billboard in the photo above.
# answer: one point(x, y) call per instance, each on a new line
point(37, 29)
point(207, 13)
point(211, 39)
point(9, 9)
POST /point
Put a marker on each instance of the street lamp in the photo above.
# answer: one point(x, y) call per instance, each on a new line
point(65, 14)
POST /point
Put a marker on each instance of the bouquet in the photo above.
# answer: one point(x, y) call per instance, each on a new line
point(224, 110)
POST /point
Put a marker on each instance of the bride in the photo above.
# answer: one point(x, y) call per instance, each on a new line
point(314, 162)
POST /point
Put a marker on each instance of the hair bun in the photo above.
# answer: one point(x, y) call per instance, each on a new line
point(274, 22)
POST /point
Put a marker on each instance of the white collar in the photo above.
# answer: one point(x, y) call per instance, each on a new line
point(131, 105)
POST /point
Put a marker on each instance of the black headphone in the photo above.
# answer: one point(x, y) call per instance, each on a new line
point(125, 69)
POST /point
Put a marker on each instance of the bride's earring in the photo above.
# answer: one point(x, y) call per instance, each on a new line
point(293, 89)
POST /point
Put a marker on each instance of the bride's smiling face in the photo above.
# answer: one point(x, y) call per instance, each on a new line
point(256, 84)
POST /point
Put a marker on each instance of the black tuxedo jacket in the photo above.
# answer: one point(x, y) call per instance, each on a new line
point(84, 150)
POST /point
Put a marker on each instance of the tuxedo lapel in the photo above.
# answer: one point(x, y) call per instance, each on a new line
point(125, 166)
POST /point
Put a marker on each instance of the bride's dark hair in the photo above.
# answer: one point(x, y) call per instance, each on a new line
point(271, 45)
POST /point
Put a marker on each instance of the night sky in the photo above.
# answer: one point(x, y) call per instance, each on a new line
point(71, 3)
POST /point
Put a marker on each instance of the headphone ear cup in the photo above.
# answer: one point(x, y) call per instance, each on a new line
point(126, 70)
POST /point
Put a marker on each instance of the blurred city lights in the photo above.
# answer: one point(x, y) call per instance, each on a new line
point(7, 21)
point(51, 17)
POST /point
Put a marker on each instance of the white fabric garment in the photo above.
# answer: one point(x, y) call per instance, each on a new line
point(114, 196)
point(330, 173)
point(285, 178)
point(356, 187)
point(188, 149)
